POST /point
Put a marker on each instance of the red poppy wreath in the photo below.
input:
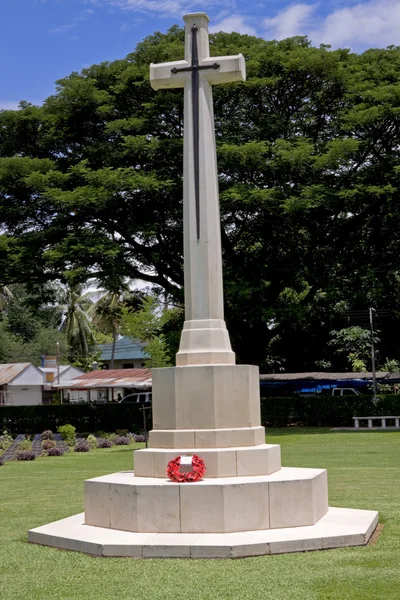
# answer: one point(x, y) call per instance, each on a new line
point(197, 472)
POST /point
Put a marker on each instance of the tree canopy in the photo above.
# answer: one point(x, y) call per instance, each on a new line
point(309, 167)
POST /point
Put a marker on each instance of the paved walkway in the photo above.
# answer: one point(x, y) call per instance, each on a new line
point(37, 447)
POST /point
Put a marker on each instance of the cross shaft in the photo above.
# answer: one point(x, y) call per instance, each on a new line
point(194, 69)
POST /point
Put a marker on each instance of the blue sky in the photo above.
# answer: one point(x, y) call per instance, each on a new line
point(44, 40)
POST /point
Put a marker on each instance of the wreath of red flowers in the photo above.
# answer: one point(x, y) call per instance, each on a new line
point(197, 472)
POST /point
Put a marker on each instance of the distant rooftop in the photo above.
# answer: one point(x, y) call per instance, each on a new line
point(111, 378)
point(9, 371)
point(125, 349)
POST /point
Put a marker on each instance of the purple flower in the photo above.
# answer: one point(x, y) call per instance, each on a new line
point(81, 446)
point(25, 455)
point(122, 440)
point(55, 452)
point(104, 443)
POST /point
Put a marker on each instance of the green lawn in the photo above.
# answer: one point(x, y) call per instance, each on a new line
point(364, 472)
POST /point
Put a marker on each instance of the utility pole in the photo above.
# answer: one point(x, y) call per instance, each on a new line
point(58, 370)
point(371, 322)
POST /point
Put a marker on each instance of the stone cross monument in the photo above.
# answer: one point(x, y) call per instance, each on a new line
point(209, 391)
point(205, 339)
point(206, 405)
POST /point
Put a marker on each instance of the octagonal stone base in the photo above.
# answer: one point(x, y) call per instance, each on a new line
point(339, 527)
point(290, 497)
point(221, 462)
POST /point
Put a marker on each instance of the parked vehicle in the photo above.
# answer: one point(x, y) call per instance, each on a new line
point(142, 398)
point(345, 392)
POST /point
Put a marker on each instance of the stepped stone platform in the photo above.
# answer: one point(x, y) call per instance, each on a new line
point(338, 527)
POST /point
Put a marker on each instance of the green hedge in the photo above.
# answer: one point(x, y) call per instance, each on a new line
point(328, 411)
point(85, 417)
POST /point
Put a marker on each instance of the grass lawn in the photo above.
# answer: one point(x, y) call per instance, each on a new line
point(364, 472)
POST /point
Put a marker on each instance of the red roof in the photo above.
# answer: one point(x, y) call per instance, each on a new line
point(116, 374)
point(111, 378)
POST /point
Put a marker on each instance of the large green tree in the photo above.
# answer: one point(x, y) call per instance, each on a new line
point(309, 167)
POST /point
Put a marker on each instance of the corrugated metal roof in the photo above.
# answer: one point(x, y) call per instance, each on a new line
point(111, 378)
point(321, 375)
point(125, 349)
point(8, 372)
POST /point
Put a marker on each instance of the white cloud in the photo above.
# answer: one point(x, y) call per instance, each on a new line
point(74, 23)
point(291, 21)
point(234, 23)
point(373, 23)
point(366, 24)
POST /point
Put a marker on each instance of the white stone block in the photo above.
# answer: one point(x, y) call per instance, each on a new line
point(246, 507)
point(123, 507)
point(206, 397)
point(298, 497)
point(207, 438)
point(158, 508)
point(202, 508)
point(143, 462)
point(97, 503)
point(258, 460)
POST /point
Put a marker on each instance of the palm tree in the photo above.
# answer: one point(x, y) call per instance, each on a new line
point(106, 314)
point(75, 306)
point(5, 297)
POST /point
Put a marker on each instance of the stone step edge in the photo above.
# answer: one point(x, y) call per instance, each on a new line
point(340, 527)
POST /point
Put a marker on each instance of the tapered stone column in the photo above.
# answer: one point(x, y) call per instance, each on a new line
point(204, 339)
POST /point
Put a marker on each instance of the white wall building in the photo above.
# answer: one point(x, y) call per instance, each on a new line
point(23, 384)
point(20, 384)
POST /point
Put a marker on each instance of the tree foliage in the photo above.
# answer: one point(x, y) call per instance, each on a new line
point(309, 168)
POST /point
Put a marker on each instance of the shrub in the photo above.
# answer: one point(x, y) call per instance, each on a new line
point(25, 455)
point(55, 452)
point(92, 441)
point(81, 446)
point(1, 461)
point(104, 443)
point(47, 444)
point(47, 435)
point(25, 445)
point(84, 417)
point(67, 433)
point(122, 432)
point(139, 438)
point(122, 440)
point(5, 441)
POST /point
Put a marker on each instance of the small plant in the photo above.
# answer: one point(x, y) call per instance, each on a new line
point(104, 443)
point(47, 444)
point(47, 435)
point(122, 440)
point(81, 445)
point(122, 432)
point(5, 441)
point(25, 455)
point(25, 445)
point(92, 441)
point(67, 433)
point(55, 452)
point(139, 438)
